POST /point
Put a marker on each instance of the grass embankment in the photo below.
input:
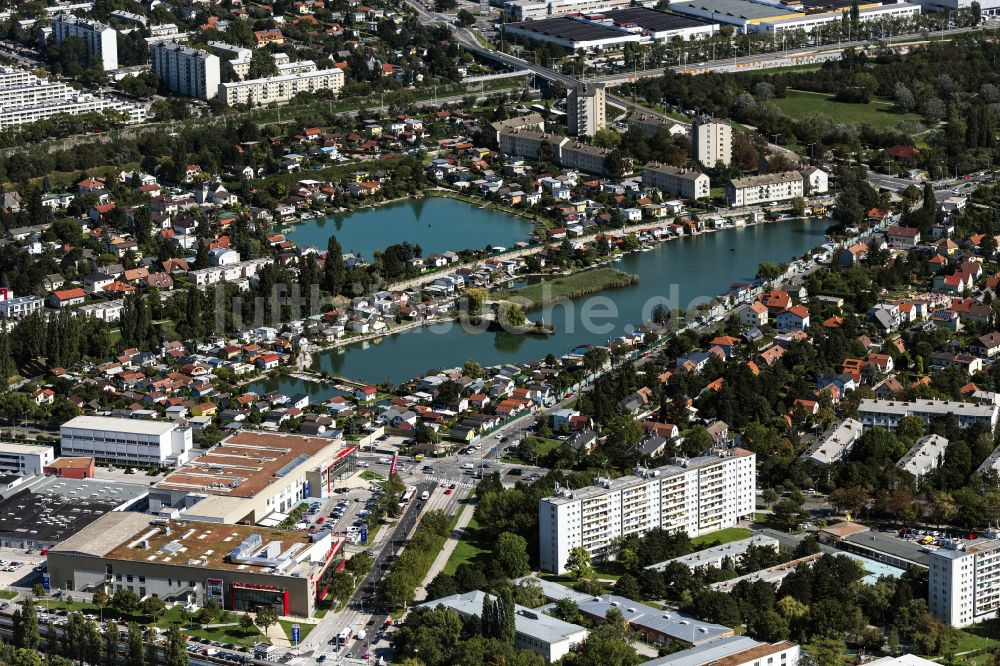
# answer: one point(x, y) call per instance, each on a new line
point(467, 549)
point(304, 629)
point(722, 536)
point(570, 286)
point(878, 113)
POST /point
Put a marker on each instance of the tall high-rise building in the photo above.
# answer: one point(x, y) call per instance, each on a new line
point(711, 141)
point(186, 71)
point(696, 496)
point(101, 40)
point(585, 109)
point(963, 585)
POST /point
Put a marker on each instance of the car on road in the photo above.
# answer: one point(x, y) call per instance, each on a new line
point(468, 466)
point(447, 491)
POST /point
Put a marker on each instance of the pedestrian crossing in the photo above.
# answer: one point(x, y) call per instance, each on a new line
point(445, 481)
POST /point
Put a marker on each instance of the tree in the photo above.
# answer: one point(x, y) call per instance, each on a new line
point(768, 270)
point(38, 590)
point(609, 644)
point(579, 563)
point(850, 500)
point(265, 618)
point(770, 496)
point(475, 299)
point(824, 652)
point(126, 601)
point(174, 650)
point(511, 314)
point(511, 553)
point(134, 646)
point(246, 623)
point(153, 607)
point(798, 206)
point(788, 513)
point(29, 625)
point(607, 138)
point(333, 267)
point(111, 650)
point(465, 18)
point(262, 65)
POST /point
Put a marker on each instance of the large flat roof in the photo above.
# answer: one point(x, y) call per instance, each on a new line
point(527, 621)
point(878, 542)
point(570, 29)
point(706, 654)
point(670, 623)
point(733, 549)
point(52, 509)
point(653, 20)
point(245, 463)
point(137, 426)
point(18, 447)
point(734, 8)
point(203, 545)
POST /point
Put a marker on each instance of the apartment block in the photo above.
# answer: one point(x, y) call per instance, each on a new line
point(583, 156)
point(186, 71)
point(523, 142)
point(29, 98)
point(770, 187)
point(204, 277)
point(16, 308)
point(926, 455)
point(101, 40)
point(711, 141)
point(888, 413)
point(697, 496)
point(24, 459)
point(686, 183)
point(586, 109)
point(964, 582)
point(281, 88)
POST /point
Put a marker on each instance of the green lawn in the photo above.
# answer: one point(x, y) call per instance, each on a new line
point(467, 549)
point(543, 445)
point(369, 475)
point(878, 113)
point(570, 286)
point(722, 536)
point(227, 633)
point(304, 629)
point(7, 594)
point(985, 635)
point(230, 633)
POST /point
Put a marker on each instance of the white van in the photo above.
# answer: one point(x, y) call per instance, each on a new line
point(424, 495)
point(361, 635)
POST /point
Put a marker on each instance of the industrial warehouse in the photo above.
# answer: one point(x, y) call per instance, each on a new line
point(613, 29)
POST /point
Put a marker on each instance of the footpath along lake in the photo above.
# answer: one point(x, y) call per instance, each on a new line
point(681, 270)
point(435, 224)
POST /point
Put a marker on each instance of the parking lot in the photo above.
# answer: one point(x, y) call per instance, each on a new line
point(122, 475)
point(345, 512)
point(20, 569)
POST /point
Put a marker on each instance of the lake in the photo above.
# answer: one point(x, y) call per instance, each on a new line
point(677, 272)
point(435, 224)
